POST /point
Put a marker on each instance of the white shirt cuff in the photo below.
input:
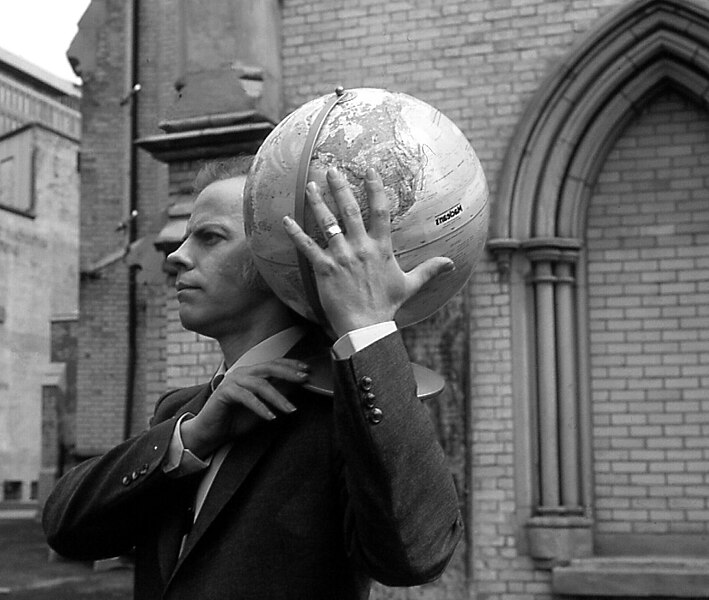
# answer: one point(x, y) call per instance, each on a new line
point(180, 461)
point(359, 339)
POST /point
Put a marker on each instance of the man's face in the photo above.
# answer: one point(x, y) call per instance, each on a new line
point(212, 291)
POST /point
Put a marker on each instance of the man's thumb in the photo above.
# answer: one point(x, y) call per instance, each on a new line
point(428, 270)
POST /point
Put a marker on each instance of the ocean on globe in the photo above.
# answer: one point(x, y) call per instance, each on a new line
point(433, 180)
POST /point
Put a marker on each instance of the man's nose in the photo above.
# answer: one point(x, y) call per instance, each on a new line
point(180, 257)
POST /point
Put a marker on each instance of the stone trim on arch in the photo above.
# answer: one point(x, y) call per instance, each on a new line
point(579, 109)
point(537, 235)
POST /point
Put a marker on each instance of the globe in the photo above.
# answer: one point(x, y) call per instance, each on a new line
point(432, 177)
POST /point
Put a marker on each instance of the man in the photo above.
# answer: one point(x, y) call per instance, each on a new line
point(253, 487)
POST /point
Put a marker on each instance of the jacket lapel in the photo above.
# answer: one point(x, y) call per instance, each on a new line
point(170, 537)
point(175, 525)
point(239, 462)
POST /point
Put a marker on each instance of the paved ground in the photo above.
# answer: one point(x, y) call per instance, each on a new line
point(27, 574)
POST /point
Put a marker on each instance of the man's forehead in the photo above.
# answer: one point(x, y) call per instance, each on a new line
point(220, 201)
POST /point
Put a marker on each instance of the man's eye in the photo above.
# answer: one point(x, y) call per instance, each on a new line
point(209, 237)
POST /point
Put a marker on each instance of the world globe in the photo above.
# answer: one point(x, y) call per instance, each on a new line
point(432, 177)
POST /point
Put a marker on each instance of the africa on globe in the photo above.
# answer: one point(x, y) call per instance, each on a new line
point(432, 177)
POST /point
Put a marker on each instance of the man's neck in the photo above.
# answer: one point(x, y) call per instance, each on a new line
point(258, 327)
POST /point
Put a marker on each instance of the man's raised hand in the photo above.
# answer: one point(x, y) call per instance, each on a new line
point(359, 281)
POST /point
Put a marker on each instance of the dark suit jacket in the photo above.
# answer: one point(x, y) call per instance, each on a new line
point(310, 506)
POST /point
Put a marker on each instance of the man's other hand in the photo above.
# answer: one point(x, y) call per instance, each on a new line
point(243, 399)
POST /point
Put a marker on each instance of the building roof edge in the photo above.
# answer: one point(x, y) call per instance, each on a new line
point(39, 74)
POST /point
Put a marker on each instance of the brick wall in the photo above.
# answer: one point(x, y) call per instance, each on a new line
point(156, 54)
point(102, 341)
point(648, 234)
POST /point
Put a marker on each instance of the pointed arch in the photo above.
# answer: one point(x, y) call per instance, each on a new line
point(568, 127)
point(538, 232)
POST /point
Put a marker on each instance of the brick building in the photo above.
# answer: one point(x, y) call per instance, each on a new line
point(39, 255)
point(576, 412)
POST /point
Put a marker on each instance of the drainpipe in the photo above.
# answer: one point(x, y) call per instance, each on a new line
point(131, 100)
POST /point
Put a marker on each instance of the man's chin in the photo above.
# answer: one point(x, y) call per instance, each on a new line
point(198, 324)
point(191, 321)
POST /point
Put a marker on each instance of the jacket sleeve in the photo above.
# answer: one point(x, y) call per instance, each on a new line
point(402, 520)
point(98, 509)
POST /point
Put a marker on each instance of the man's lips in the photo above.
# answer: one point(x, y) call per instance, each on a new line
point(181, 286)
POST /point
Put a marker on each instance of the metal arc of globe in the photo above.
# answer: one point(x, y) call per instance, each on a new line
point(432, 177)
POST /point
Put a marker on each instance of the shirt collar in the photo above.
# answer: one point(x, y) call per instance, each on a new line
point(271, 348)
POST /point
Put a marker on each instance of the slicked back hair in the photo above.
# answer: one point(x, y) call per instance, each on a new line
point(218, 170)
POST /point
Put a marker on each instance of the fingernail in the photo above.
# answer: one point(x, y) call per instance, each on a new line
point(312, 187)
point(291, 408)
point(304, 367)
point(303, 374)
point(371, 174)
point(449, 267)
point(270, 416)
point(287, 221)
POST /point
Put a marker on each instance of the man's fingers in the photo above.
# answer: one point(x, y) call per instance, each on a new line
point(350, 214)
point(265, 392)
point(258, 408)
point(248, 400)
point(302, 241)
point(379, 216)
point(287, 369)
point(322, 213)
point(347, 204)
point(258, 395)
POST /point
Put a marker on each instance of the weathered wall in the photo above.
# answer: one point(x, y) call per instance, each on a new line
point(39, 271)
point(103, 299)
point(22, 102)
point(58, 411)
point(106, 189)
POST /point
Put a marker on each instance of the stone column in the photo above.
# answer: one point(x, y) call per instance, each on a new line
point(542, 259)
point(567, 382)
point(560, 529)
